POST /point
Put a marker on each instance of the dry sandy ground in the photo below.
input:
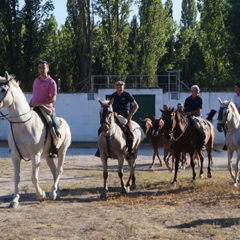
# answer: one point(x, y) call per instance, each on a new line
point(206, 209)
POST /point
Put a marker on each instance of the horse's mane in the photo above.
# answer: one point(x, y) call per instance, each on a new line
point(234, 108)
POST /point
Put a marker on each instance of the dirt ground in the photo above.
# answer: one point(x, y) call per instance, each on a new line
point(205, 209)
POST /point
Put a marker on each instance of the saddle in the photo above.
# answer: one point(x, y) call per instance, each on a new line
point(45, 114)
point(200, 123)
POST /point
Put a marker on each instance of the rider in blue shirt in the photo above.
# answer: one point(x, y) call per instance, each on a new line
point(193, 107)
point(121, 106)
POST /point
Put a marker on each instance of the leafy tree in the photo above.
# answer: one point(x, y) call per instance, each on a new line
point(10, 36)
point(186, 38)
point(114, 29)
point(154, 22)
point(33, 13)
point(213, 39)
point(80, 19)
point(232, 23)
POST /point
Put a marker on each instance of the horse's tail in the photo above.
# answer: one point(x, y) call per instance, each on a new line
point(211, 115)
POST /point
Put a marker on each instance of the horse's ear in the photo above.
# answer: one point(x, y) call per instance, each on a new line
point(99, 100)
point(6, 75)
point(219, 99)
point(111, 101)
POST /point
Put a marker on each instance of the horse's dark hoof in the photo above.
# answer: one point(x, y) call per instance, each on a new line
point(103, 196)
point(209, 175)
point(174, 183)
point(133, 187)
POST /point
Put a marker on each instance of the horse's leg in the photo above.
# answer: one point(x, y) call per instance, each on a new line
point(193, 166)
point(16, 163)
point(209, 152)
point(58, 173)
point(132, 165)
point(153, 158)
point(52, 167)
point(120, 173)
point(200, 154)
point(158, 156)
point(230, 154)
point(235, 182)
point(166, 158)
point(35, 171)
point(177, 156)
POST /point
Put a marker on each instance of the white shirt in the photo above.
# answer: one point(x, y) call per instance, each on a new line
point(236, 100)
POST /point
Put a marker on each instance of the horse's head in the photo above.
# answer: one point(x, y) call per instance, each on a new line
point(146, 124)
point(158, 125)
point(223, 114)
point(106, 114)
point(6, 99)
point(167, 119)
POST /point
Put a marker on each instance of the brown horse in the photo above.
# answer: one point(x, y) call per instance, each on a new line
point(155, 140)
point(184, 135)
point(158, 130)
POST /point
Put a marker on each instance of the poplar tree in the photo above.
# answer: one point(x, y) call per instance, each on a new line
point(213, 42)
point(154, 35)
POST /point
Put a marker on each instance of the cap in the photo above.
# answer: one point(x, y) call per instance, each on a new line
point(119, 83)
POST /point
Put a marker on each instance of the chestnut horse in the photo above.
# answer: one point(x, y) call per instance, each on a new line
point(184, 135)
point(156, 140)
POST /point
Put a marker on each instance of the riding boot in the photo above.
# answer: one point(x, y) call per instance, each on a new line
point(224, 147)
point(129, 143)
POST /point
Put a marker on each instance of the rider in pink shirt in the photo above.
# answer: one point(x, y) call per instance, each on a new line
point(45, 91)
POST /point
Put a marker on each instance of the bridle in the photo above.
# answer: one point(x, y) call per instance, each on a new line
point(172, 131)
point(7, 117)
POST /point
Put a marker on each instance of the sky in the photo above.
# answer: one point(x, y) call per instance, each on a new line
point(60, 11)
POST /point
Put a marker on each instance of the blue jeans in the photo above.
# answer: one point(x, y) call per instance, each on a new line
point(54, 122)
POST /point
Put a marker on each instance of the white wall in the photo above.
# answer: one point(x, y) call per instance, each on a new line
point(83, 114)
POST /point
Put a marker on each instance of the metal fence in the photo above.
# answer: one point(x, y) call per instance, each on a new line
point(169, 82)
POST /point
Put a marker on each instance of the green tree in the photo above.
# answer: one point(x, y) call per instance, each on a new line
point(34, 13)
point(10, 36)
point(213, 42)
point(186, 38)
point(168, 60)
point(80, 18)
point(114, 29)
point(154, 23)
point(232, 24)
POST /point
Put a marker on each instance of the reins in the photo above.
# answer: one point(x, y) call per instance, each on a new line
point(176, 139)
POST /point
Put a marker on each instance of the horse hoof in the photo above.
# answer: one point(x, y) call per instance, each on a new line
point(53, 196)
point(174, 183)
point(209, 175)
point(103, 196)
point(42, 197)
point(235, 184)
point(151, 166)
point(133, 187)
point(201, 176)
point(14, 204)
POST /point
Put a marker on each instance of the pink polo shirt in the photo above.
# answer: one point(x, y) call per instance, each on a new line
point(44, 89)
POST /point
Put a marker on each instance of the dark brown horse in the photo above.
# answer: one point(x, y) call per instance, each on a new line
point(156, 140)
point(184, 135)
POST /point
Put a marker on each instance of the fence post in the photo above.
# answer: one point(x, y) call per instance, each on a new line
point(92, 83)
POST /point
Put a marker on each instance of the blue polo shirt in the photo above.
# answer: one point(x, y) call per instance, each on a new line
point(122, 103)
point(192, 104)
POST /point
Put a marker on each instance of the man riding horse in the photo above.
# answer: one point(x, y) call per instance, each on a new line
point(121, 106)
point(192, 108)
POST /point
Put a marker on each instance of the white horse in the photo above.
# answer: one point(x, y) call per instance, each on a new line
point(112, 144)
point(228, 116)
point(28, 140)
